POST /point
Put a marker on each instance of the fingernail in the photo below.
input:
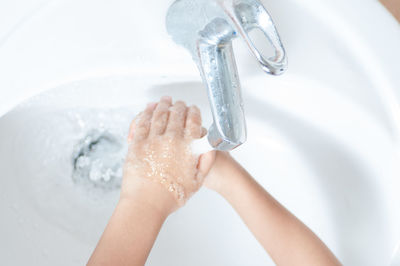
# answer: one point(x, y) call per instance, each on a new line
point(166, 98)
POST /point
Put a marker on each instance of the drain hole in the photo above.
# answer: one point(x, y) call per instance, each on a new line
point(98, 160)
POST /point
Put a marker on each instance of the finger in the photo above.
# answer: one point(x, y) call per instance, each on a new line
point(177, 119)
point(206, 161)
point(132, 128)
point(160, 116)
point(193, 128)
point(142, 123)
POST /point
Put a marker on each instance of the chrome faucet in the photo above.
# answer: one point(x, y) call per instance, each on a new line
point(206, 28)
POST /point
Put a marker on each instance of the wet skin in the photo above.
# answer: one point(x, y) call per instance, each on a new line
point(159, 149)
point(161, 173)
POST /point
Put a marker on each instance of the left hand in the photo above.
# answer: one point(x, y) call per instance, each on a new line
point(159, 160)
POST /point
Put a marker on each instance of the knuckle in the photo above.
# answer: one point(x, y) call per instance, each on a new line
point(180, 103)
point(162, 107)
point(195, 119)
point(141, 122)
point(158, 125)
point(140, 132)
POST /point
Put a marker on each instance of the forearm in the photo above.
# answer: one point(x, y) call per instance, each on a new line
point(283, 236)
point(130, 233)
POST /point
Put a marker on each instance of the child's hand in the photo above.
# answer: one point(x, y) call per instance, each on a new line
point(160, 164)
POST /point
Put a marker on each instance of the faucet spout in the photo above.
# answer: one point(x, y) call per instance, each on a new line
point(206, 28)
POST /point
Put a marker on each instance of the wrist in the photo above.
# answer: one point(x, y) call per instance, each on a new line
point(224, 173)
point(148, 194)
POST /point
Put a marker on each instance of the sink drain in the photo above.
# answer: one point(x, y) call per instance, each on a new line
point(98, 160)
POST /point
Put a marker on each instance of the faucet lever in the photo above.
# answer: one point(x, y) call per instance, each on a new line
point(247, 15)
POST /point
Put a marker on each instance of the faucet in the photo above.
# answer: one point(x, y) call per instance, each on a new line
point(207, 28)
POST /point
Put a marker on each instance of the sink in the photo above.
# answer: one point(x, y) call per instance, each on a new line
point(323, 138)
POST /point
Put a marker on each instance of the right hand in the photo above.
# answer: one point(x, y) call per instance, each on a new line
point(219, 163)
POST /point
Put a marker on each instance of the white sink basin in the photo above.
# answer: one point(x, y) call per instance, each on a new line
point(322, 138)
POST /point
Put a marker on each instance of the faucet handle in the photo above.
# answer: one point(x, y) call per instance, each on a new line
point(247, 15)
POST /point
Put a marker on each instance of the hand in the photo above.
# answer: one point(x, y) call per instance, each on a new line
point(159, 162)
